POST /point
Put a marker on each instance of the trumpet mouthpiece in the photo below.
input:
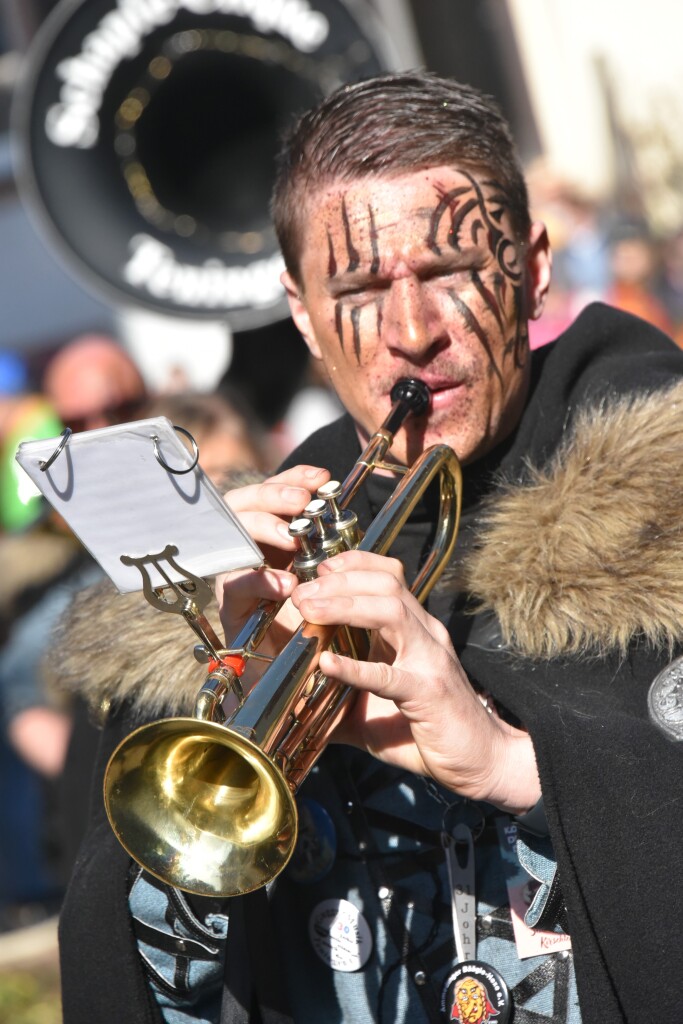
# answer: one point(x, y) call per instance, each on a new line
point(413, 392)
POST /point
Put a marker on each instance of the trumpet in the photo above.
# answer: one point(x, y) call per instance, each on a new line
point(207, 803)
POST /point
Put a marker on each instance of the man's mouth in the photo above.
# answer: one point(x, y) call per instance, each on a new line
point(443, 392)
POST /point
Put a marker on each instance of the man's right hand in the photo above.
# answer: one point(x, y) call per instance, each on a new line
point(265, 510)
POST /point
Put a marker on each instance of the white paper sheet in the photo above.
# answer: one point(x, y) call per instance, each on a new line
point(118, 499)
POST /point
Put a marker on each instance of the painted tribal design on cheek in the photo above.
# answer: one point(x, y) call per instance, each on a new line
point(478, 219)
point(353, 262)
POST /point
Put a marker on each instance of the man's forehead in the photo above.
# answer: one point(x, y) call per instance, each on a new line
point(425, 181)
point(438, 214)
point(379, 204)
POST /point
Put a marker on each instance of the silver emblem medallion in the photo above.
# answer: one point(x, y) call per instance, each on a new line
point(665, 700)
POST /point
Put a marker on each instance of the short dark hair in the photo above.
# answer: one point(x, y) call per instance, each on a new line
point(390, 125)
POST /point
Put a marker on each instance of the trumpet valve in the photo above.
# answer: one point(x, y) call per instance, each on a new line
point(345, 520)
point(209, 699)
point(306, 561)
point(331, 542)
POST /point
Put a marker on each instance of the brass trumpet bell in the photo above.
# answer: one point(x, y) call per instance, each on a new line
point(226, 814)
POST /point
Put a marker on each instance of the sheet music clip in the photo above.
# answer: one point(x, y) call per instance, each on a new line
point(45, 464)
point(160, 459)
point(67, 432)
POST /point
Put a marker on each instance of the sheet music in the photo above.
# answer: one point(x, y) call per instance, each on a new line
point(117, 497)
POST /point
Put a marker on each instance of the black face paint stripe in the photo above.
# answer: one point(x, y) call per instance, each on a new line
point(456, 222)
point(338, 322)
point(498, 241)
point(522, 335)
point(354, 255)
point(488, 297)
point(518, 345)
point(445, 203)
point(380, 317)
point(355, 324)
point(475, 327)
point(374, 266)
point(331, 259)
point(477, 226)
point(500, 287)
point(504, 246)
point(499, 192)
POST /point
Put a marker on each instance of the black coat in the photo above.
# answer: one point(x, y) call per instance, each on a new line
point(611, 780)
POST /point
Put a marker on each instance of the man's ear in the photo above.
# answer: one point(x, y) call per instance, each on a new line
point(299, 312)
point(539, 263)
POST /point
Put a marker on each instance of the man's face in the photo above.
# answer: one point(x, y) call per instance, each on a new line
point(420, 276)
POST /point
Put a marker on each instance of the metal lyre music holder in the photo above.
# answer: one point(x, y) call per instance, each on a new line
point(189, 597)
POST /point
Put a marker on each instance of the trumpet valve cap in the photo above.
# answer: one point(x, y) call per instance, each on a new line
point(330, 491)
point(301, 530)
point(315, 508)
point(300, 527)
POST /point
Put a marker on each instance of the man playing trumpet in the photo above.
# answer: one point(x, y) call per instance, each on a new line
point(513, 706)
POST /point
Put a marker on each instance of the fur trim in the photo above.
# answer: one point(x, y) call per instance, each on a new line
point(588, 554)
point(110, 648)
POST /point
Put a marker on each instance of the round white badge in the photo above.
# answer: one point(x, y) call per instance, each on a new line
point(340, 935)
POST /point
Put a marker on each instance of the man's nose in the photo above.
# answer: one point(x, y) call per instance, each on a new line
point(410, 321)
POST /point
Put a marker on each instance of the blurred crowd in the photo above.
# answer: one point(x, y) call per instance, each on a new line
point(605, 253)
point(89, 382)
point(268, 400)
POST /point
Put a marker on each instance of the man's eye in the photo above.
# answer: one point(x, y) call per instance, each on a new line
point(460, 274)
point(359, 293)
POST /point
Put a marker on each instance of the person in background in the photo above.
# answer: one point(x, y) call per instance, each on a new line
point(33, 732)
point(92, 382)
point(89, 382)
point(504, 728)
point(577, 226)
point(228, 433)
point(670, 282)
point(634, 264)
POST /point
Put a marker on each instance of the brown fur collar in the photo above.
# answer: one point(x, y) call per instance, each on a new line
point(588, 553)
point(111, 648)
point(581, 558)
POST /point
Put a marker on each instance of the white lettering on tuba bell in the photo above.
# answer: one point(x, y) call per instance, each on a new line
point(153, 268)
point(118, 36)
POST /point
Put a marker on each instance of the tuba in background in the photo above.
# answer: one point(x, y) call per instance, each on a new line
point(146, 131)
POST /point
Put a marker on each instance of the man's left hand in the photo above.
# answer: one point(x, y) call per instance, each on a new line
point(416, 708)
